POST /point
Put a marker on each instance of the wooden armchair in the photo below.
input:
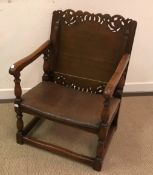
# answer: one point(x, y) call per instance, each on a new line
point(85, 66)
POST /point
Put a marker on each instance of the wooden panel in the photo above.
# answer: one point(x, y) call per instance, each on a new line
point(87, 50)
point(89, 46)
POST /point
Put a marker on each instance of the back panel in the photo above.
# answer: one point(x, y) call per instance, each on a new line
point(89, 47)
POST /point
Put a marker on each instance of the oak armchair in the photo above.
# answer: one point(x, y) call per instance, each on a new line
point(85, 64)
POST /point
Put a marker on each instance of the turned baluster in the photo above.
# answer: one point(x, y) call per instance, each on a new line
point(17, 89)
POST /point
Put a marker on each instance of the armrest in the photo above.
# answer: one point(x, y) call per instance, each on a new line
point(21, 64)
point(113, 82)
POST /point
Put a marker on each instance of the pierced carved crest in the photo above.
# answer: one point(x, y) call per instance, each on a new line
point(115, 23)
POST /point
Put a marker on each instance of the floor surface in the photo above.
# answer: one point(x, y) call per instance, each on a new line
point(130, 152)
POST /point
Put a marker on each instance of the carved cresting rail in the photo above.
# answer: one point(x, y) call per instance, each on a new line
point(115, 23)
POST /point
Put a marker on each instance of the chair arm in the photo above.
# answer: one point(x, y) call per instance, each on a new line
point(17, 67)
point(113, 82)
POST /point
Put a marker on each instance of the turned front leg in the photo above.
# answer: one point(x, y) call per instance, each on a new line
point(17, 102)
point(100, 152)
point(102, 136)
point(20, 125)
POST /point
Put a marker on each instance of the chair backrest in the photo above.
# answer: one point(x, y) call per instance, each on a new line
point(87, 47)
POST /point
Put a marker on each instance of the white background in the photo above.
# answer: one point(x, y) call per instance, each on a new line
point(25, 25)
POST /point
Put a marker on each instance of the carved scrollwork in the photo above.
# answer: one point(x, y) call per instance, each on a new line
point(60, 79)
point(115, 23)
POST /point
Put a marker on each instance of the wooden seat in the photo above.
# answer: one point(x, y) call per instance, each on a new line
point(63, 104)
point(85, 65)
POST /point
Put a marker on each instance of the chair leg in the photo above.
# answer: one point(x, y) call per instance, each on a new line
point(20, 125)
point(99, 157)
point(102, 146)
point(100, 149)
point(115, 121)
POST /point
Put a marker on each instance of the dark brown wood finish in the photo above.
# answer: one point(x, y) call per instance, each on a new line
point(21, 64)
point(59, 150)
point(100, 52)
point(85, 66)
point(114, 81)
point(30, 125)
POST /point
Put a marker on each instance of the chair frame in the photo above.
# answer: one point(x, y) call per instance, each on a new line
point(114, 88)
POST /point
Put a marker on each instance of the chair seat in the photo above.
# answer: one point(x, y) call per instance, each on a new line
point(59, 103)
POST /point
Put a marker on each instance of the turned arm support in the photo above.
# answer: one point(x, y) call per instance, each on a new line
point(17, 67)
point(115, 79)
